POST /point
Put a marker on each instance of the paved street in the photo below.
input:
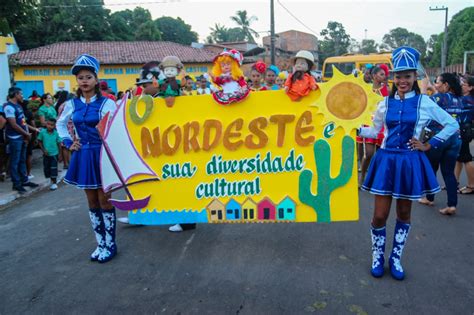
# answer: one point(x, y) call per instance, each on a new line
point(225, 269)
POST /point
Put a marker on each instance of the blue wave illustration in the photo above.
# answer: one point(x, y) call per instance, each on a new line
point(167, 217)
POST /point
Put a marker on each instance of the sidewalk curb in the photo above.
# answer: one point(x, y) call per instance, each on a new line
point(6, 199)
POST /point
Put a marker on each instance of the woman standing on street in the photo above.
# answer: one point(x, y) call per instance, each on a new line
point(448, 97)
point(86, 110)
point(400, 169)
point(368, 145)
point(467, 134)
point(46, 111)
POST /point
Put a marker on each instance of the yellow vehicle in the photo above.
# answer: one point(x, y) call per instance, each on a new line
point(350, 62)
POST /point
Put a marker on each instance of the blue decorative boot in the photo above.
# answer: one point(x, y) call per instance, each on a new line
point(399, 240)
point(110, 248)
point(378, 251)
point(98, 227)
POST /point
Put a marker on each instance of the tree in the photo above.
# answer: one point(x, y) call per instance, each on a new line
point(120, 23)
point(460, 38)
point(55, 21)
point(402, 37)
point(220, 33)
point(430, 48)
point(368, 46)
point(175, 30)
point(15, 13)
point(148, 31)
point(336, 41)
point(460, 35)
point(93, 21)
point(243, 22)
point(65, 20)
point(130, 25)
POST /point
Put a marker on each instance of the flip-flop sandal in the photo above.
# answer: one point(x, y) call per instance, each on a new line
point(467, 190)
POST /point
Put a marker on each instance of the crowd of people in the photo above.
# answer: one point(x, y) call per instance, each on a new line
point(415, 131)
point(27, 124)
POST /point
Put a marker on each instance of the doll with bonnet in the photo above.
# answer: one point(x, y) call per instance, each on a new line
point(301, 82)
point(228, 79)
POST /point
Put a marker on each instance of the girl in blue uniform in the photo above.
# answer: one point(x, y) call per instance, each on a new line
point(399, 168)
point(86, 110)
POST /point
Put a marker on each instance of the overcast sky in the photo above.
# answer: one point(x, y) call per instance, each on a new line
point(377, 17)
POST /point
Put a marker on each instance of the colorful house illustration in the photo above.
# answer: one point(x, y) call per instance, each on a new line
point(249, 210)
point(233, 210)
point(216, 211)
point(286, 209)
point(266, 209)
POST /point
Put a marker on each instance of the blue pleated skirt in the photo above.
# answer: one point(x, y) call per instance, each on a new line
point(400, 174)
point(84, 168)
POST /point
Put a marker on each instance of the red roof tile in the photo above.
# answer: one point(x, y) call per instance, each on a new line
point(118, 52)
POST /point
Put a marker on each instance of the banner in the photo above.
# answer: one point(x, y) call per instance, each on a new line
point(266, 159)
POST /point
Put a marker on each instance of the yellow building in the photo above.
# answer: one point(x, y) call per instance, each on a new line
point(47, 68)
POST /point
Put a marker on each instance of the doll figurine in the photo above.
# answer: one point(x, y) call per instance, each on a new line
point(147, 83)
point(301, 82)
point(228, 78)
point(170, 87)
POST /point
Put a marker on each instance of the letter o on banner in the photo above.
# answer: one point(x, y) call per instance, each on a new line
point(148, 100)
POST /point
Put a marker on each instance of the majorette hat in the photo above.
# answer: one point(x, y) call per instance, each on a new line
point(149, 72)
point(85, 61)
point(234, 54)
point(405, 58)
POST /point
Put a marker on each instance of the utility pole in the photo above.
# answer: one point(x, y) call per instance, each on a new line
point(365, 37)
point(444, 49)
point(272, 32)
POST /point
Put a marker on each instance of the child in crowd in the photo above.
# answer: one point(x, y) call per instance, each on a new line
point(188, 88)
point(280, 79)
point(271, 76)
point(49, 142)
point(256, 73)
point(203, 89)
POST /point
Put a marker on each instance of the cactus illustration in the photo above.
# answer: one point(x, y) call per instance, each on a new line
point(326, 184)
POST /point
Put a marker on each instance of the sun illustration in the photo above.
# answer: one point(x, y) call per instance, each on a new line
point(347, 101)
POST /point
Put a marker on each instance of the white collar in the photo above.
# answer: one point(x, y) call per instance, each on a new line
point(93, 98)
point(407, 95)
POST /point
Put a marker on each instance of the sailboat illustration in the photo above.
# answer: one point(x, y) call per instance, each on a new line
point(120, 161)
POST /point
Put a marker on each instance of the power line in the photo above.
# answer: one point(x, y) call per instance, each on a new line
point(107, 5)
point(294, 16)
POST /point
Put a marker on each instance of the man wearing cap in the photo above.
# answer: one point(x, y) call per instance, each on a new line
point(18, 136)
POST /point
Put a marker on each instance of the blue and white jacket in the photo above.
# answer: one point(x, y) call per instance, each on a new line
point(85, 117)
point(406, 118)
